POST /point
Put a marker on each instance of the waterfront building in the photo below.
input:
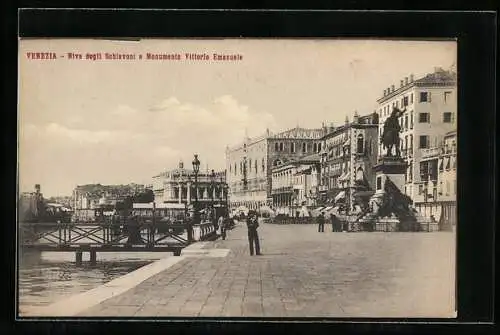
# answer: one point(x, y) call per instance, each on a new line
point(31, 205)
point(93, 196)
point(249, 164)
point(294, 184)
point(178, 186)
point(438, 190)
point(346, 164)
point(430, 107)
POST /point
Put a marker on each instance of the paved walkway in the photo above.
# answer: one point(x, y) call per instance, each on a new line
point(302, 273)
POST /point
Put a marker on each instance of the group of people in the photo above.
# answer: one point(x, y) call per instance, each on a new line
point(336, 223)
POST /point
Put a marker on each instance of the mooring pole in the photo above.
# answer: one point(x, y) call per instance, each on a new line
point(93, 257)
point(78, 257)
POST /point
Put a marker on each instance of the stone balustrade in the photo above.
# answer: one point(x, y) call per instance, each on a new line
point(203, 231)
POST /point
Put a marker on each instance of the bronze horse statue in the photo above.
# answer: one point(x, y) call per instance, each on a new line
point(390, 135)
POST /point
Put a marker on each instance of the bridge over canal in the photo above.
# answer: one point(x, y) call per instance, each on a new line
point(112, 236)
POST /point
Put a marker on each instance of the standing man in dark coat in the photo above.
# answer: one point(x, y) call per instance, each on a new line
point(321, 223)
point(334, 222)
point(253, 236)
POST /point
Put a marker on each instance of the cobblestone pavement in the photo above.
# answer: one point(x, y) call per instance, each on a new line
point(303, 273)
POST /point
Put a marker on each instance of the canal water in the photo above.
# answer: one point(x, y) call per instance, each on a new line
point(47, 277)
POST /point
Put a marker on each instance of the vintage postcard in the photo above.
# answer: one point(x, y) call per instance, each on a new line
point(237, 178)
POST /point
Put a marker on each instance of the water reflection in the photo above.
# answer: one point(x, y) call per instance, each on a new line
point(47, 277)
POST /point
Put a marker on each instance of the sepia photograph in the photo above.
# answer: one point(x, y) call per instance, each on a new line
point(239, 177)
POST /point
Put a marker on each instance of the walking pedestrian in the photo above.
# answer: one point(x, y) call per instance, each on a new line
point(226, 223)
point(220, 223)
point(334, 222)
point(253, 236)
point(321, 222)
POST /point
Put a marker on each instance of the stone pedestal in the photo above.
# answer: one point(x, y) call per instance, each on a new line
point(393, 168)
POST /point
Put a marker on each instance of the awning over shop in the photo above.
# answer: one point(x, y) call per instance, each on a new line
point(339, 196)
point(326, 209)
point(362, 194)
point(345, 176)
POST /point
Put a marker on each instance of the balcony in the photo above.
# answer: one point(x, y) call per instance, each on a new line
point(280, 190)
point(322, 188)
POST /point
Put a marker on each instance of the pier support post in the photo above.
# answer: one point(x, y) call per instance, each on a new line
point(78, 257)
point(93, 257)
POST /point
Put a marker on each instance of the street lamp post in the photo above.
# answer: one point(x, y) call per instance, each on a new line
point(221, 188)
point(226, 190)
point(196, 169)
point(212, 190)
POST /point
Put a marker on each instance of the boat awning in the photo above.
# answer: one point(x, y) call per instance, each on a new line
point(158, 206)
point(319, 209)
point(339, 196)
point(326, 209)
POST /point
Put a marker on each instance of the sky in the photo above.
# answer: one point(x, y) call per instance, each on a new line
point(123, 121)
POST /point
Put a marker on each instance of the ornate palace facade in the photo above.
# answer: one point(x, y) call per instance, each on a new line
point(178, 186)
point(249, 164)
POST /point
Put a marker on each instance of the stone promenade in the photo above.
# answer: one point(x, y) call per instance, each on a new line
point(302, 273)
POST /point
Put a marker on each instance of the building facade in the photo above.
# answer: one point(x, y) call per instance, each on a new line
point(92, 196)
point(249, 164)
point(347, 159)
point(429, 112)
point(438, 173)
point(178, 186)
point(294, 184)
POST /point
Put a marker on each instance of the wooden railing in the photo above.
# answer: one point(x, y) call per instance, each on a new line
point(108, 235)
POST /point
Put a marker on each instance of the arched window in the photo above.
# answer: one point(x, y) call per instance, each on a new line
point(361, 144)
point(263, 165)
point(359, 174)
point(281, 146)
point(304, 147)
point(319, 147)
point(255, 166)
point(292, 147)
point(315, 147)
point(276, 146)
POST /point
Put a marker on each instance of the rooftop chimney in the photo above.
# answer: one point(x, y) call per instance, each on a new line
point(356, 117)
point(392, 88)
point(406, 80)
point(411, 78)
point(401, 83)
point(37, 188)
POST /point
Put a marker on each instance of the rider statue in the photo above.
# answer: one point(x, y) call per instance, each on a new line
point(390, 135)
